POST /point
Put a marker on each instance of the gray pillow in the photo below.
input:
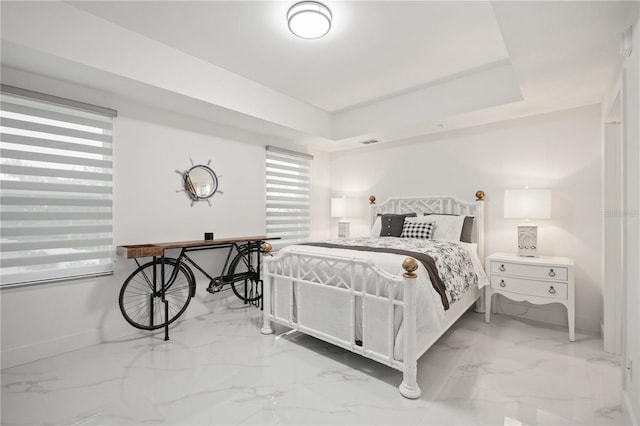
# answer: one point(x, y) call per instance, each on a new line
point(467, 226)
point(392, 224)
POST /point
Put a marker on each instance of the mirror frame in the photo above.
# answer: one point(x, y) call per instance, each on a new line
point(188, 185)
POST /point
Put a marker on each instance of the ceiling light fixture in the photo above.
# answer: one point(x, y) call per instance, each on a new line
point(309, 19)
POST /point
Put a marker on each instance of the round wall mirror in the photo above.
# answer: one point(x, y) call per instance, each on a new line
point(200, 182)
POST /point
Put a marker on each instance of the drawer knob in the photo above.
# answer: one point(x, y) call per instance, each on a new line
point(552, 290)
point(502, 283)
point(551, 273)
point(501, 268)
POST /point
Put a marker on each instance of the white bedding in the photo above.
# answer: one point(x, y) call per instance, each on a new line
point(430, 310)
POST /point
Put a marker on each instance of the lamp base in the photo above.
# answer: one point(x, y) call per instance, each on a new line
point(528, 240)
point(343, 229)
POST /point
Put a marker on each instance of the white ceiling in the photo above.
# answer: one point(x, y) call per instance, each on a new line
point(372, 51)
point(387, 70)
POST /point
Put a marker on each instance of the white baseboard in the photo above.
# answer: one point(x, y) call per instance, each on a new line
point(29, 353)
point(58, 345)
point(627, 405)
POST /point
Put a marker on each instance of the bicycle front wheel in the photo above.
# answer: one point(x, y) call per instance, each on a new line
point(244, 275)
point(141, 301)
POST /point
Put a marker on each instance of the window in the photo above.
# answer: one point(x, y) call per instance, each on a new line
point(55, 188)
point(288, 196)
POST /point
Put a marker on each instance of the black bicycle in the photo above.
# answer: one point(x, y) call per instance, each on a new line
point(158, 292)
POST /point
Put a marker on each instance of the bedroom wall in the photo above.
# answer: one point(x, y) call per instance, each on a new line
point(630, 74)
point(150, 145)
point(560, 151)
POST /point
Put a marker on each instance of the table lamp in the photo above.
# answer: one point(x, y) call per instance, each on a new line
point(527, 204)
point(339, 209)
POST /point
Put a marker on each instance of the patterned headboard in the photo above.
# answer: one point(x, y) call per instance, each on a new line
point(435, 205)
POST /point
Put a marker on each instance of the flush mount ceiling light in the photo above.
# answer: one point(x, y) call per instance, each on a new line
point(309, 19)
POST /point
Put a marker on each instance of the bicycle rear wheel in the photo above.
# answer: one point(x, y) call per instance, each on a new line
point(141, 296)
point(244, 275)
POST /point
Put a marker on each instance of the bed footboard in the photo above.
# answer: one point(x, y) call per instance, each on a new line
point(346, 301)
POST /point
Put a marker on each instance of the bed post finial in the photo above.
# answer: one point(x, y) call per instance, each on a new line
point(410, 265)
point(266, 249)
point(372, 199)
point(480, 195)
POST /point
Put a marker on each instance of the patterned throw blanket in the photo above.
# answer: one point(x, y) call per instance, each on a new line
point(448, 261)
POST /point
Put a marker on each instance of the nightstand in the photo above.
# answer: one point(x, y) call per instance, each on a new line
point(538, 280)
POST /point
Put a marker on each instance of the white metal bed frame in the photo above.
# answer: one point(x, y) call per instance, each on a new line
point(299, 293)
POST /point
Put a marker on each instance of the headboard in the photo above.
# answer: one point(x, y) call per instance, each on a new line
point(436, 205)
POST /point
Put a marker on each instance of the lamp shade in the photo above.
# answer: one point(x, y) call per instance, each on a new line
point(339, 207)
point(527, 204)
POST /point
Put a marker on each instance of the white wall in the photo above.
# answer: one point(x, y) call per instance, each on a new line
point(623, 103)
point(560, 151)
point(150, 145)
point(630, 75)
point(320, 194)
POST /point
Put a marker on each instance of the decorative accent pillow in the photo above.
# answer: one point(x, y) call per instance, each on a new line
point(417, 230)
point(392, 224)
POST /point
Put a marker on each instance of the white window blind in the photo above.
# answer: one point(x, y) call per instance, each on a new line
point(288, 196)
point(55, 188)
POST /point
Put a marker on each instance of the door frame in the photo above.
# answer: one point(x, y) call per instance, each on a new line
point(613, 225)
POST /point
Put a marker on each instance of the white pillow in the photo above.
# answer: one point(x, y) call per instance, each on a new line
point(448, 227)
point(376, 228)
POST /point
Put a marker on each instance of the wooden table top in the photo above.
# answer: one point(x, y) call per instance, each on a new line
point(157, 249)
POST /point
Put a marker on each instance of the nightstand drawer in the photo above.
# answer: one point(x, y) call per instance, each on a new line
point(543, 272)
point(529, 287)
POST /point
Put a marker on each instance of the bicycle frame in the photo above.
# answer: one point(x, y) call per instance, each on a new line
point(241, 249)
point(183, 259)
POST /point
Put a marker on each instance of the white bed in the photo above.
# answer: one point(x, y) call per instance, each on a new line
point(380, 305)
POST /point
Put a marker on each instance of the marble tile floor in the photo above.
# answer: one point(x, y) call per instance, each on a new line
point(217, 369)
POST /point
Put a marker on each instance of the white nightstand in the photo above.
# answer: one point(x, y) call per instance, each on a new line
point(537, 280)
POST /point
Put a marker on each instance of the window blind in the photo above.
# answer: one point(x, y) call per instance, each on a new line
point(56, 188)
point(288, 196)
